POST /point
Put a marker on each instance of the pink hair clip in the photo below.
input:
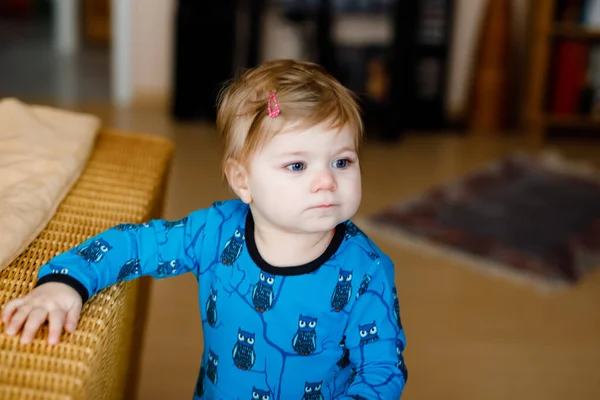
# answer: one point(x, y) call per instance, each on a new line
point(273, 112)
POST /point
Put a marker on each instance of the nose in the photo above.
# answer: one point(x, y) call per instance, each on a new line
point(324, 180)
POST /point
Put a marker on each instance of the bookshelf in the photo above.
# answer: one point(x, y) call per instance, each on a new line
point(563, 90)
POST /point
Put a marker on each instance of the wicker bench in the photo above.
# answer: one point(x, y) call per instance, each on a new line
point(123, 181)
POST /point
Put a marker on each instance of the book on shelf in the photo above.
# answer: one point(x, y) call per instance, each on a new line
point(574, 76)
point(568, 76)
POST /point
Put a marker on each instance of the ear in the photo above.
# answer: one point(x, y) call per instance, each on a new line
point(237, 177)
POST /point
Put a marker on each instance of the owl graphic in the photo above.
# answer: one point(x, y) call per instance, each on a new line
point(368, 333)
point(343, 290)
point(211, 367)
point(243, 350)
point(211, 307)
point(262, 293)
point(175, 224)
point(401, 366)
point(94, 251)
point(130, 270)
point(258, 394)
point(166, 268)
point(345, 360)
point(312, 391)
point(364, 285)
point(127, 227)
point(397, 308)
point(351, 230)
point(304, 341)
point(200, 383)
point(233, 247)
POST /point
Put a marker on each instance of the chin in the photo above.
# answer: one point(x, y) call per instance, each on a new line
point(321, 225)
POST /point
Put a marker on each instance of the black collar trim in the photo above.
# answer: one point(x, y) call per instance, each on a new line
point(307, 268)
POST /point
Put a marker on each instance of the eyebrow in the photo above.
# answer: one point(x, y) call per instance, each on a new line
point(305, 153)
point(347, 149)
point(293, 153)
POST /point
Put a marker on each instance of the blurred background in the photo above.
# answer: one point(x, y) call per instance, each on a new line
point(447, 86)
point(433, 65)
point(431, 59)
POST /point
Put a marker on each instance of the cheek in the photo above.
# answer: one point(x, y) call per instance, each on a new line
point(274, 189)
point(352, 191)
point(273, 182)
point(352, 182)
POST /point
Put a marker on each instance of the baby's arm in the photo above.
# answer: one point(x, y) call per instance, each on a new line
point(375, 339)
point(159, 248)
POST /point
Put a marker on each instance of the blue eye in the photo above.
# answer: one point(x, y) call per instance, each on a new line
point(341, 163)
point(296, 167)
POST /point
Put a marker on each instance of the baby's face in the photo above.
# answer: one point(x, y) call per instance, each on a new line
point(306, 181)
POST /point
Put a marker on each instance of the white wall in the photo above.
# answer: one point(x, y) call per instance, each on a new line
point(65, 35)
point(152, 57)
point(466, 27)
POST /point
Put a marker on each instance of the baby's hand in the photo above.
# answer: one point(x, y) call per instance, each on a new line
point(53, 301)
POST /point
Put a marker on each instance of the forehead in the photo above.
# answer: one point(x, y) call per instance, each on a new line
point(319, 137)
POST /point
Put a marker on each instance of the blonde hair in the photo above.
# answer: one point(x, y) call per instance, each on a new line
point(307, 95)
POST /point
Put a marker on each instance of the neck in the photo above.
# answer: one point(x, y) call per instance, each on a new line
point(283, 248)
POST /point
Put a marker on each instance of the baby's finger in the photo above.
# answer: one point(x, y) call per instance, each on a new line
point(73, 318)
point(9, 309)
point(17, 319)
point(56, 321)
point(34, 321)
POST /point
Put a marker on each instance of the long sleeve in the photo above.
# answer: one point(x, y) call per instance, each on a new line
point(375, 337)
point(158, 248)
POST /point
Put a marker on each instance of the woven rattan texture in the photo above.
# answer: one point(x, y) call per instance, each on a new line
point(122, 182)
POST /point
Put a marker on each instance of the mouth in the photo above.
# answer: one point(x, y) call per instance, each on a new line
point(325, 206)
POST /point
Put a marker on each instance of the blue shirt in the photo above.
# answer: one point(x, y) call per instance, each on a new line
point(328, 329)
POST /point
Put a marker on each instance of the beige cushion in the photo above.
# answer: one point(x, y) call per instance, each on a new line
point(42, 153)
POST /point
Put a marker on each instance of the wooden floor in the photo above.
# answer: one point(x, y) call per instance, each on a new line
point(470, 335)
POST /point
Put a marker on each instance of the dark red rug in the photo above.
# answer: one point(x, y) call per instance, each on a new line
point(534, 218)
